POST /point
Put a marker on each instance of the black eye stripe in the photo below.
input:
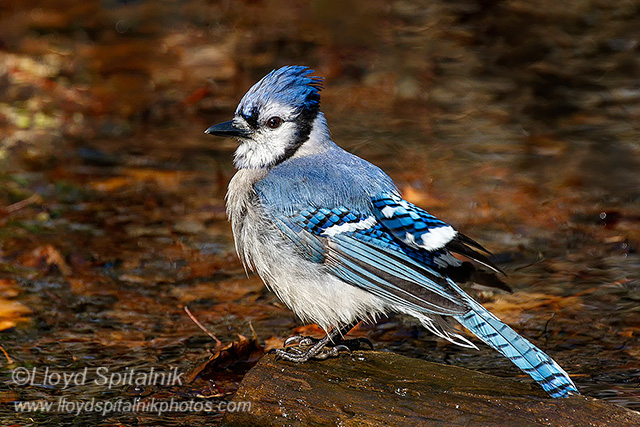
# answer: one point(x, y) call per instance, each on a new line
point(251, 120)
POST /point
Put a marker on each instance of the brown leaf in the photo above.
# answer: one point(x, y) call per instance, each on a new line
point(44, 258)
point(310, 330)
point(273, 342)
point(8, 396)
point(12, 312)
point(9, 288)
point(238, 355)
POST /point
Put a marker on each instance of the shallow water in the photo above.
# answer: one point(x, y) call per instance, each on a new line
point(516, 123)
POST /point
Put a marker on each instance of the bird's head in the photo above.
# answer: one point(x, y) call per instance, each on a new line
point(276, 117)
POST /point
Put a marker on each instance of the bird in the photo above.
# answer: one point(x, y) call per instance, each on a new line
point(331, 235)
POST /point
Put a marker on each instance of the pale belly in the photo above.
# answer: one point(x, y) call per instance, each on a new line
point(306, 287)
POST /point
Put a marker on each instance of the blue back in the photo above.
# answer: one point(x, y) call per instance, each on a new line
point(330, 179)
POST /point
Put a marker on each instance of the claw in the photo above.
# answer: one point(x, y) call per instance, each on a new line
point(340, 347)
point(300, 341)
point(293, 339)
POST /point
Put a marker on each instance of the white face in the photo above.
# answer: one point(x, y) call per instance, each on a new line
point(275, 133)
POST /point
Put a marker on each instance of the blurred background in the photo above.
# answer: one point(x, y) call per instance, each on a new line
point(517, 122)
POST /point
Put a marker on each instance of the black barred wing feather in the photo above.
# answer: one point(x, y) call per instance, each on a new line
point(410, 224)
point(418, 229)
point(356, 248)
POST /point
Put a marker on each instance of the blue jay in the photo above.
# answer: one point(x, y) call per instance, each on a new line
point(331, 235)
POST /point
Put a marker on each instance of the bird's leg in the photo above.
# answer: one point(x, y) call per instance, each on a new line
point(321, 348)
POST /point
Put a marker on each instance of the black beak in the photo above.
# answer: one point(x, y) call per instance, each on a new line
point(227, 129)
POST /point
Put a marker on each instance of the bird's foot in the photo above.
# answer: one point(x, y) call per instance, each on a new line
point(299, 355)
point(319, 349)
point(352, 344)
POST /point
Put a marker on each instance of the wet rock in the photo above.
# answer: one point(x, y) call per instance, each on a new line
point(385, 389)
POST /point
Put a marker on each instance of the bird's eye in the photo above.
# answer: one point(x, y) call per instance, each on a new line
point(274, 122)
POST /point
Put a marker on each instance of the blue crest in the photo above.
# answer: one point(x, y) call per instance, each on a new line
point(289, 85)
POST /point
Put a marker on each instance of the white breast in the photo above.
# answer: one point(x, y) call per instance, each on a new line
point(305, 287)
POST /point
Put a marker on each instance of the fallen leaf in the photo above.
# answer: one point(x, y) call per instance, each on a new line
point(11, 313)
point(8, 396)
point(44, 258)
point(9, 288)
point(273, 342)
point(238, 355)
point(310, 330)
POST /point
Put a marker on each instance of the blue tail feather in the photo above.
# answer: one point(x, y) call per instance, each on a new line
point(529, 358)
